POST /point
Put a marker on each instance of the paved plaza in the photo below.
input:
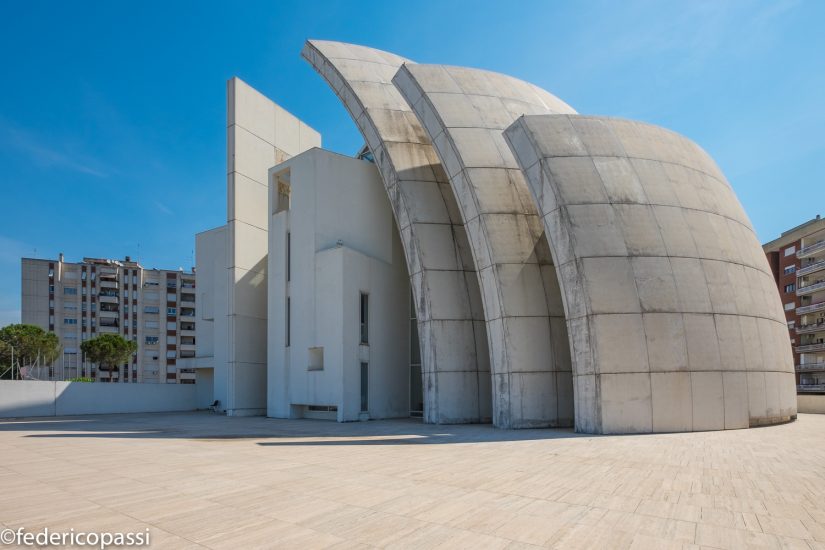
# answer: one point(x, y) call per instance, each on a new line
point(199, 480)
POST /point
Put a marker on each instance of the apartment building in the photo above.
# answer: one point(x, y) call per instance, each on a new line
point(797, 259)
point(81, 300)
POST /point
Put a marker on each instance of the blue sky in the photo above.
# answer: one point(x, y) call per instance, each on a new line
point(117, 109)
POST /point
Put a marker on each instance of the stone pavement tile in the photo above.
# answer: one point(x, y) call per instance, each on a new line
point(380, 529)
point(815, 528)
point(202, 524)
point(785, 527)
point(429, 536)
point(647, 542)
point(725, 537)
point(616, 502)
point(530, 530)
point(574, 537)
point(669, 510)
point(482, 520)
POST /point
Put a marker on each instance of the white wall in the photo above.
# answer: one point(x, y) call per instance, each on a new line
point(809, 403)
point(260, 134)
point(204, 388)
point(211, 332)
point(19, 398)
point(336, 199)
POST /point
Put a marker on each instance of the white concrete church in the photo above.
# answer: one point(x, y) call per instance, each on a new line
point(489, 256)
point(307, 306)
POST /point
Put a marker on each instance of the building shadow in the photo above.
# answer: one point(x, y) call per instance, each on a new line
point(271, 432)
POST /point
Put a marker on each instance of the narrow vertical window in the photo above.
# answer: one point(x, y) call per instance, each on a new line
point(365, 311)
point(288, 320)
point(288, 256)
point(365, 386)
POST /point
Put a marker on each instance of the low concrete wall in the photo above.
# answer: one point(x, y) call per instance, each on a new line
point(20, 398)
point(809, 403)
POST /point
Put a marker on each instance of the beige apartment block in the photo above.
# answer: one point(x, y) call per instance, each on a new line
point(78, 301)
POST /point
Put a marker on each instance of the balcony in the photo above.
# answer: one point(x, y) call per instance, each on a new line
point(811, 268)
point(103, 329)
point(186, 332)
point(819, 306)
point(108, 314)
point(808, 250)
point(187, 303)
point(810, 329)
point(810, 289)
point(802, 388)
point(811, 367)
point(105, 283)
point(810, 348)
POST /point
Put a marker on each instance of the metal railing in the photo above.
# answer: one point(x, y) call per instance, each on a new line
point(808, 289)
point(810, 268)
point(811, 367)
point(816, 247)
point(806, 348)
point(813, 307)
point(808, 329)
point(810, 387)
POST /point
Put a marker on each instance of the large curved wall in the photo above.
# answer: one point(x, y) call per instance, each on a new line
point(675, 320)
point(454, 353)
point(464, 112)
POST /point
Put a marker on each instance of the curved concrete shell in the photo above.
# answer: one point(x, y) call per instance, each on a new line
point(454, 354)
point(675, 320)
point(464, 112)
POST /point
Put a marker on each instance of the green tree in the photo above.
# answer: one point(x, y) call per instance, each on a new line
point(108, 350)
point(29, 344)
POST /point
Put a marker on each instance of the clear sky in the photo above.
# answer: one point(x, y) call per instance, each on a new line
point(112, 114)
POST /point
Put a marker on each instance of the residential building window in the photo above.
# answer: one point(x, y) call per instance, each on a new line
point(151, 309)
point(171, 311)
point(791, 324)
point(51, 288)
point(789, 306)
point(171, 340)
point(69, 291)
point(170, 297)
point(170, 354)
point(790, 288)
point(69, 321)
point(170, 325)
point(790, 269)
point(365, 385)
point(150, 324)
point(151, 340)
point(365, 320)
point(790, 250)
